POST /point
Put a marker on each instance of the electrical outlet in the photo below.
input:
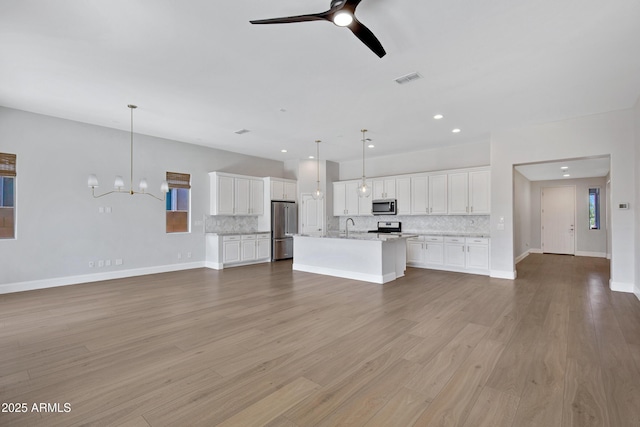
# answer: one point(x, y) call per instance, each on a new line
point(188, 254)
point(92, 264)
point(107, 263)
point(108, 209)
point(179, 255)
point(118, 261)
point(101, 263)
point(100, 209)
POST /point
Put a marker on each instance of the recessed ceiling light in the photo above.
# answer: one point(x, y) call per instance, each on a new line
point(438, 116)
point(408, 78)
point(241, 131)
point(312, 157)
point(283, 151)
point(566, 175)
point(370, 145)
point(456, 130)
point(564, 168)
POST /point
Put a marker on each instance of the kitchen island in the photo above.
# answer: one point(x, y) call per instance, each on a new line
point(376, 258)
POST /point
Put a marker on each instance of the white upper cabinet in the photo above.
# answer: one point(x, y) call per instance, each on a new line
point(384, 188)
point(282, 189)
point(480, 192)
point(419, 195)
point(346, 201)
point(469, 193)
point(236, 195)
point(403, 196)
point(458, 193)
point(437, 194)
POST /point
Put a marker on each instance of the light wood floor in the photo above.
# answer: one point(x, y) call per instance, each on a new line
point(262, 345)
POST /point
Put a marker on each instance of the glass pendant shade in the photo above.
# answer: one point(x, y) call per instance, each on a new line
point(143, 184)
point(118, 183)
point(164, 187)
point(318, 194)
point(364, 190)
point(92, 181)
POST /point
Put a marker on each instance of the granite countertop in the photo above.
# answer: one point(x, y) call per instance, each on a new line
point(237, 233)
point(406, 233)
point(359, 235)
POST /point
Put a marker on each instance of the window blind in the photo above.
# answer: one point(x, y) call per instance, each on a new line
point(178, 180)
point(7, 164)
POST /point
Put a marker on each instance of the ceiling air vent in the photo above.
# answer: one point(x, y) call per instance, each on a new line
point(241, 131)
point(408, 78)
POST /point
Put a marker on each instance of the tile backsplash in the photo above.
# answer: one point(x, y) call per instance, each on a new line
point(435, 223)
point(230, 224)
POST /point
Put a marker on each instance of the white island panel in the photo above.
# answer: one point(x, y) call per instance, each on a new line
point(367, 259)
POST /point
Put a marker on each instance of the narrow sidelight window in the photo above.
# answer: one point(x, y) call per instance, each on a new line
point(178, 202)
point(594, 209)
point(7, 196)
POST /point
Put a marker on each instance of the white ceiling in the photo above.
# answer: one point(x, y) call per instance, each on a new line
point(576, 168)
point(199, 71)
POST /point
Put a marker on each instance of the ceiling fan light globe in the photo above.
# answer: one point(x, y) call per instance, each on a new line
point(343, 19)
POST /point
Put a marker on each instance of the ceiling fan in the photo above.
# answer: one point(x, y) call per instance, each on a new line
point(341, 13)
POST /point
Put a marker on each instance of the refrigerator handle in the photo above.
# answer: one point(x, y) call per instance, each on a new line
point(286, 221)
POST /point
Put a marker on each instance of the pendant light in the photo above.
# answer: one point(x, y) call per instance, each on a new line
point(119, 182)
point(318, 194)
point(363, 189)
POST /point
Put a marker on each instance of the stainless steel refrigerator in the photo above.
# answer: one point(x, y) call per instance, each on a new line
point(284, 224)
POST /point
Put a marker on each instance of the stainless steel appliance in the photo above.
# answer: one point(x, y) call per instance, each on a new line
point(384, 207)
point(388, 227)
point(284, 224)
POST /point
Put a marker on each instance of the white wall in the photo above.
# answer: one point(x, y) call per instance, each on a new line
point(453, 157)
point(598, 135)
point(636, 119)
point(588, 242)
point(521, 215)
point(59, 229)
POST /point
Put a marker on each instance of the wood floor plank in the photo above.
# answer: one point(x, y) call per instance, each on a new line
point(265, 345)
point(585, 403)
point(272, 406)
point(454, 403)
point(402, 409)
point(493, 408)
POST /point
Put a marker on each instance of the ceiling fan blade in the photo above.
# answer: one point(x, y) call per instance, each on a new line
point(366, 36)
point(292, 19)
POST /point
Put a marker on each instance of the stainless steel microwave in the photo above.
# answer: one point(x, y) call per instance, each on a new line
point(384, 207)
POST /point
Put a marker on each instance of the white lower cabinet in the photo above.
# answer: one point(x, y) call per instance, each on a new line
point(454, 252)
point(451, 253)
point(240, 249)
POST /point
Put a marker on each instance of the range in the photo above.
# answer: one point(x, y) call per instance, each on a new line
point(388, 227)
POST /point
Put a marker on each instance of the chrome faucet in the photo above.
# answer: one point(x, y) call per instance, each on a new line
point(347, 225)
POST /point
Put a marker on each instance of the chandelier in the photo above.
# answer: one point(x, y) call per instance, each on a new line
point(119, 182)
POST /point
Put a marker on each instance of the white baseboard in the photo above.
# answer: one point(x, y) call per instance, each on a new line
point(521, 257)
point(637, 291)
point(621, 287)
point(591, 254)
point(499, 274)
point(97, 277)
point(535, 251)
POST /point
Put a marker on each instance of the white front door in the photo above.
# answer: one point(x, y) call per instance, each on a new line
point(558, 220)
point(312, 215)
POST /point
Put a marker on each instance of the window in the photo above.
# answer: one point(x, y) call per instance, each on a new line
point(594, 209)
point(178, 202)
point(7, 195)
